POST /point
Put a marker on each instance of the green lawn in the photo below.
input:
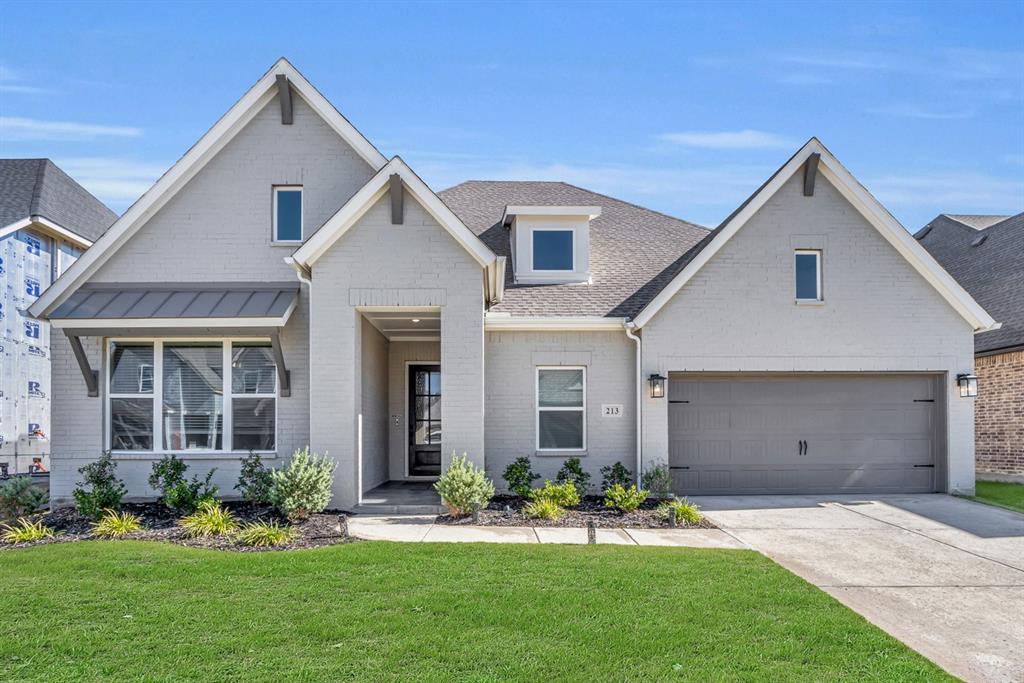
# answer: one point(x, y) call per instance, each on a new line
point(427, 612)
point(1000, 493)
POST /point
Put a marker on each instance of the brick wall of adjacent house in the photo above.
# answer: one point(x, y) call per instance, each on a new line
point(999, 413)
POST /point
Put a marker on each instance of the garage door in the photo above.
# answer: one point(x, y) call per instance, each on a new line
point(802, 434)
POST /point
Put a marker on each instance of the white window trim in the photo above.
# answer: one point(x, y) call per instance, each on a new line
point(537, 409)
point(302, 214)
point(158, 391)
point(817, 253)
point(533, 252)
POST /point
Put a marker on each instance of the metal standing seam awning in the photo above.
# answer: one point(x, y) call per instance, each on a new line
point(174, 309)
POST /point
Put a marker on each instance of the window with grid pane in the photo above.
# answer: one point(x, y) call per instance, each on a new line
point(253, 396)
point(131, 396)
point(561, 407)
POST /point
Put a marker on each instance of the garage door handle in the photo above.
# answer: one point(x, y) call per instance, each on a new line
point(684, 467)
point(924, 465)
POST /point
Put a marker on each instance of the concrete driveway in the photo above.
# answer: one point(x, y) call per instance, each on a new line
point(942, 574)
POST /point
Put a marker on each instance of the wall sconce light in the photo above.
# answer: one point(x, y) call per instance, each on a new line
point(657, 385)
point(968, 385)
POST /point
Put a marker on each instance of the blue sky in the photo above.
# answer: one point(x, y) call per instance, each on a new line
point(685, 108)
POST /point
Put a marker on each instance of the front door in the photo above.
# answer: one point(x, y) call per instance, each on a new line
point(424, 420)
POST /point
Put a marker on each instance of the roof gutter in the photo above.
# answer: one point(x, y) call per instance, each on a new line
point(630, 328)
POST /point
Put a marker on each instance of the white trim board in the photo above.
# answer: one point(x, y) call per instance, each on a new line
point(186, 168)
point(866, 204)
point(497, 322)
point(47, 227)
point(354, 209)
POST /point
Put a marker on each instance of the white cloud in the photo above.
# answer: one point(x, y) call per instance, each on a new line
point(117, 182)
point(14, 128)
point(11, 81)
point(913, 111)
point(742, 139)
point(805, 79)
point(949, 191)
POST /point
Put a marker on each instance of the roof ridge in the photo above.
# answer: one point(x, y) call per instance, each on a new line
point(37, 189)
point(635, 206)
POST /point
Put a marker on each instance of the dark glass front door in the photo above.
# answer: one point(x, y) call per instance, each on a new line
point(424, 420)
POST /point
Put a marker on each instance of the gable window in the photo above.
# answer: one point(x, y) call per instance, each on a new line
point(215, 396)
point(553, 250)
point(808, 275)
point(561, 409)
point(288, 213)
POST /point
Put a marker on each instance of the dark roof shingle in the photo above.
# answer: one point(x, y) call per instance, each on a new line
point(634, 252)
point(992, 271)
point(37, 187)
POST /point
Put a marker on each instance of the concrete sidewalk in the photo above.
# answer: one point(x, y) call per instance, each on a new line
point(422, 529)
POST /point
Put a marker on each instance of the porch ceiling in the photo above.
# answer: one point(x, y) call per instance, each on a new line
point(410, 325)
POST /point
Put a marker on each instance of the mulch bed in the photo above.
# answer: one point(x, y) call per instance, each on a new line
point(508, 511)
point(161, 524)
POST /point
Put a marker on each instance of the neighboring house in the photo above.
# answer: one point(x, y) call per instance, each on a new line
point(986, 256)
point(46, 221)
point(319, 293)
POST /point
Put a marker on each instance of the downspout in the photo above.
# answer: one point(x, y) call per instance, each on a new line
point(629, 327)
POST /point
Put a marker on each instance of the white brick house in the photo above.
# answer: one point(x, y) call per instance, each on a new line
point(285, 284)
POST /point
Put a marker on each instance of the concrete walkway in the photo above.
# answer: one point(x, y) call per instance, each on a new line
point(942, 574)
point(415, 528)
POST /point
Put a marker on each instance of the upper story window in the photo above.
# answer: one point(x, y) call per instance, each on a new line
point(288, 213)
point(553, 250)
point(808, 275)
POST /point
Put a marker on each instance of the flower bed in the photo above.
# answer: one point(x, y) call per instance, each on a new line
point(161, 524)
point(508, 511)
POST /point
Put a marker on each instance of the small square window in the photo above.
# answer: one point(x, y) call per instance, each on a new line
point(808, 275)
point(288, 214)
point(553, 250)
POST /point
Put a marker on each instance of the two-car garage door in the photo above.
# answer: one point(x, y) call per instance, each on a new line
point(789, 433)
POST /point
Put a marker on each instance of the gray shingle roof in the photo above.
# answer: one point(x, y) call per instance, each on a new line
point(976, 221)
point(991, 271)
point(184, 300)
point(634, 252)
point(36, 187)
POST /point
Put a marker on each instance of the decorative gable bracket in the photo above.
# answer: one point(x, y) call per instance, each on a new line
point(284, 96)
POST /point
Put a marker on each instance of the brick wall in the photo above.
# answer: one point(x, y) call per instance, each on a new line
point(999, 413)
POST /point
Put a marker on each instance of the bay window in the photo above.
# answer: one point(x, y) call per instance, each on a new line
point(215, 396)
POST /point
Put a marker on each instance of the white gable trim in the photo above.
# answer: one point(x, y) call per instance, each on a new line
point(222, 132)
point(47, 226)
point(375, 188)
point(866, 204)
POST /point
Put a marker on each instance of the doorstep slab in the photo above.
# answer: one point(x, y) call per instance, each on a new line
point(684, 538)
point(443, 533)
point(406, 529)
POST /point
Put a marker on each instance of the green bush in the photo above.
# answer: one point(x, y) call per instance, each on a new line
point(254, 480)
point(616, 474)
point(176, 492)
point(115, 524)
point(544, 509)
point(520, 477)
point(464, 487)
point(572, 472)
point(101, 490)
point(20, 497)
point(209, 520)
point(303, 486)
point(562, 495)
point(25, 531)
point(619, 497)
point(658, 480)
point(266, 534)
point(680, 510)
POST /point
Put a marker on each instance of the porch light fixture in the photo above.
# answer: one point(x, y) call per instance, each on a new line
point(415, 320)
point(657, 385)
point(968, 385)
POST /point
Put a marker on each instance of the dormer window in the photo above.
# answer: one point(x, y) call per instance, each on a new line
point(550, 244)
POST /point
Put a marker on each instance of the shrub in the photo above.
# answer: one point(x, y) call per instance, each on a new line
point(254, 480)
point(209, 520)
point(20, 497)
point(626, 500)
point(520, 477)
point(572, 472)
point(658, 480)
point(681, 510)
point(303, 486)
point(266, 534)
point(615, 474)
point(176, 492)
point(562, 495)
point(464, 487)
point(104, 491)
point(26, 531)
point(116, 524)
point(543, 509)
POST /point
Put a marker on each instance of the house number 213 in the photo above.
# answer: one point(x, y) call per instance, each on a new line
point(611, 410)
